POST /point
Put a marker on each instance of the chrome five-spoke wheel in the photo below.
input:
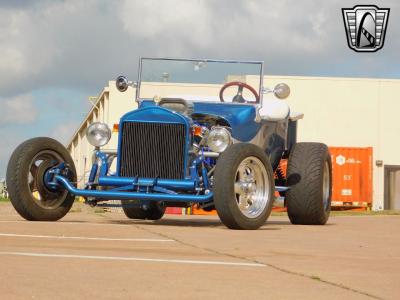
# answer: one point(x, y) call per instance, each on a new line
point(243, 186)
point(252, 187)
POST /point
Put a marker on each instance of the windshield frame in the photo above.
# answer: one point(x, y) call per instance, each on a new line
point(261, 63)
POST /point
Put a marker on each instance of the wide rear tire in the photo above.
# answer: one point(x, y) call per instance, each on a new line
point(309, 176)
point(25, 172)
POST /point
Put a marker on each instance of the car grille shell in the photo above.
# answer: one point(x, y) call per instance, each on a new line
point(152, 150)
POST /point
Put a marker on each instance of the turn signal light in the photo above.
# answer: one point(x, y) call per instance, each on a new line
point(197, 131)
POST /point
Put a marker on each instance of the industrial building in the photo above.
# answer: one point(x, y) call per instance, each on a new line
point(341, 112)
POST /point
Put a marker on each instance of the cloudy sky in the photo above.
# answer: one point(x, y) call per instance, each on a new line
point(54, 54)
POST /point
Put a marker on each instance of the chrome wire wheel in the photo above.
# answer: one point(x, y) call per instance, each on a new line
point(252, 187)
point(326, 183)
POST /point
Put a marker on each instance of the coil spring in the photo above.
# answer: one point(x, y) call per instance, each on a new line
point(279, 173)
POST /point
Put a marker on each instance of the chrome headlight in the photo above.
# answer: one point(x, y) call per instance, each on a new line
point(219, 139)
point(98, 134)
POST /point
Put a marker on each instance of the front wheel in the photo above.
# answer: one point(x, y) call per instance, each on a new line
point(243, 187)
point(25, 180)
point(309, 176)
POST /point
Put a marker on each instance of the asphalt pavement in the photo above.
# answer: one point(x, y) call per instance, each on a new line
point(102, 255)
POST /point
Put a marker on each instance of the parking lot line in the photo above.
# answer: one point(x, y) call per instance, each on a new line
point(84, 238)
point(38, 223)
point(125, 258)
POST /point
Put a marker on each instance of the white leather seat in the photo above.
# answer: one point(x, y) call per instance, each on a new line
point(274, 109)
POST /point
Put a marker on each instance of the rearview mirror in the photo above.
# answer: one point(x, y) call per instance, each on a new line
point(122, 83)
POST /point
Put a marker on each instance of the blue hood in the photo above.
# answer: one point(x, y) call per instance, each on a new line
point(239, 116)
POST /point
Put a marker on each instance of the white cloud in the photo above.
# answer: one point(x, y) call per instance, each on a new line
point(83, 44)
point(25, 49)
point(64, 131)
point(183, 23)
point(79, 45)
point(18, 110)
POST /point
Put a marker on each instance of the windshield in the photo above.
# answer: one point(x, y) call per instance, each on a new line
point(199, 80)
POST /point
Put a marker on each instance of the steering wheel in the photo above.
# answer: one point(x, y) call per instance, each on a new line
point(238, 98)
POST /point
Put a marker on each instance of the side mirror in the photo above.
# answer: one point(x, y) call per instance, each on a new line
point(122, 83)
point(281, 91)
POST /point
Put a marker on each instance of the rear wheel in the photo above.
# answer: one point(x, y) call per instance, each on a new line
point(154, 212)
point(309, 176)
point(25, 180)
point(243, 187)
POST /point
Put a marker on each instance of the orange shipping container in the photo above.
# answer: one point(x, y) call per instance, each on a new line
point(352, 175)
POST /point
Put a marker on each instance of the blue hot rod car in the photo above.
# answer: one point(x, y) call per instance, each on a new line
point(206, 132)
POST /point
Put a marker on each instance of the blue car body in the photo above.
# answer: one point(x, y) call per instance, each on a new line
point(239, 117)
point(149, 168)
point(202, 135)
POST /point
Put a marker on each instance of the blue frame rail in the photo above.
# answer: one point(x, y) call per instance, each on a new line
point(135, 188)
point(128, 195)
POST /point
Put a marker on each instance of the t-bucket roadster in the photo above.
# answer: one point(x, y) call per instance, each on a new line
point(202, 134)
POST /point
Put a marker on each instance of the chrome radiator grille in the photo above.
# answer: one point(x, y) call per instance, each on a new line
point(152, 150)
